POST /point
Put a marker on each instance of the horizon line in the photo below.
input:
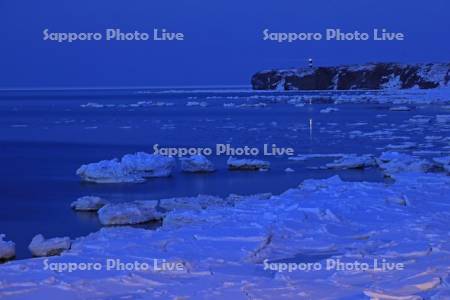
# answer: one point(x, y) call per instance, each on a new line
point(62, 88)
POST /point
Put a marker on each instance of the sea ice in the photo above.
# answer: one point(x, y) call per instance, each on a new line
point(88, 203)
point(257, 105)
point(394, 162)
point(40, 246)
point(148, 165)
point(234, 198)
point(328, 110)
point(315, 185)
point(7, 249)
point(92, 104)
point(107, 171)
point(129, 213)
point(196, 163)
point(225, 249)
point(191, 203)
point(247, 164)
point(177, 219)
point(418, 119)
point(197, 103)
point(353, 162)
point(400, 108)
point(132, 168)
point(402, 146)
point(181, 211)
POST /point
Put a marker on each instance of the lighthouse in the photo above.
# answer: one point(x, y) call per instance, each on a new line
point(310, 62)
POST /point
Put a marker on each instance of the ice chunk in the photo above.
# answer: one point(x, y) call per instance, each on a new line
point(7, 249)
point(419, 119)
point(315, 184)
point(132, 168)
point(384, 296)
point(88, 203)
point(394, 162)
point(400, 108)
point(129, 213)
point(196, 163)
point(107, 171)
point(392, 155)
point(353, 162)
point(247, 164)
point(148, 165)
point(92, 104)
point(197, 103)
point(402, 146)
point(398, 199)
point(328, 110)
point(39, 246)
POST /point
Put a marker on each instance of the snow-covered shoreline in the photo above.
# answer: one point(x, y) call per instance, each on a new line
point(224, 250)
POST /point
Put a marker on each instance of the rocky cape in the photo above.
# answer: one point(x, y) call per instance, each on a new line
point(372, 76)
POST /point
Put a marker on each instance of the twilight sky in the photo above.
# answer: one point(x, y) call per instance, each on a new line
point(223, 43)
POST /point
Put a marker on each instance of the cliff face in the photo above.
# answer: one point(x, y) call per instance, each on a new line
point(356, 77)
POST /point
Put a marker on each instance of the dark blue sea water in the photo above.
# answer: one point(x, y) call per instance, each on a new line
point(46, 135)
